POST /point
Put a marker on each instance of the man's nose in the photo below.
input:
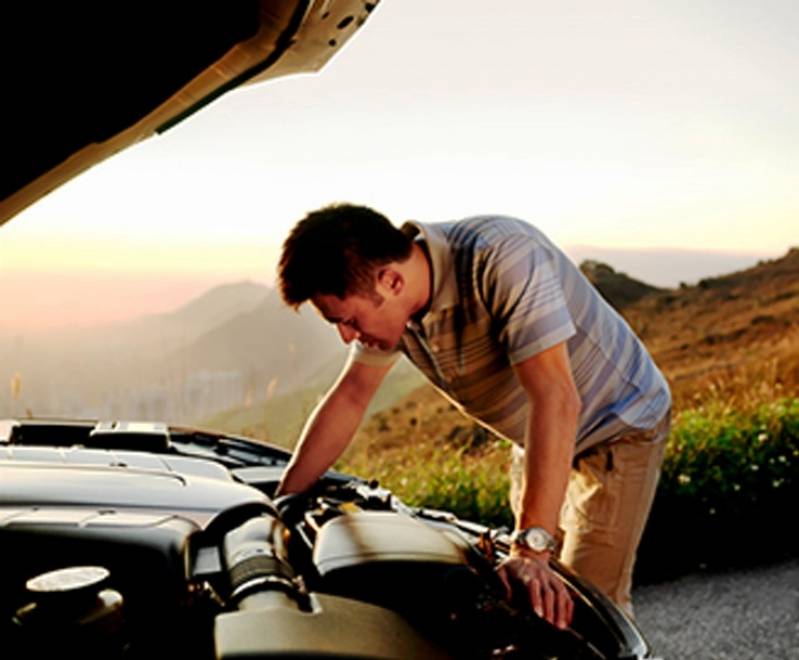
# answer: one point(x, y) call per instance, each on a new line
point(347, 333)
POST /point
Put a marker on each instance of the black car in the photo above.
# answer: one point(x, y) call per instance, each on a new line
point(147, 540)
point(143, 540)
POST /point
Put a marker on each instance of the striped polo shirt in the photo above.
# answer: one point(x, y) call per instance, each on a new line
point(503, 292)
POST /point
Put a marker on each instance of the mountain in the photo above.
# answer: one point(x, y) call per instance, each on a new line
point(668, 267)
point(217, 305)
point(280, 418)
point(617, 288)
point(733, 338)
point(237, 348)
point(214, 352)
point(738, 331)
point(160, 334)
point(271, 343)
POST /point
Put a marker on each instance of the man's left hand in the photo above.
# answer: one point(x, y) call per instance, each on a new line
point(530, 572)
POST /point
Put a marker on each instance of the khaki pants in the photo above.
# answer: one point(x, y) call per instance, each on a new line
point(610, 492)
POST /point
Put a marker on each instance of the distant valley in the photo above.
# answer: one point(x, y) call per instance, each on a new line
point(234, 344)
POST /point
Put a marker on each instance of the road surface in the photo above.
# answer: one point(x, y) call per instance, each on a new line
point(744, 615)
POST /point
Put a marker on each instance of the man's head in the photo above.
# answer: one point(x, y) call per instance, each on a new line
point(354, 267)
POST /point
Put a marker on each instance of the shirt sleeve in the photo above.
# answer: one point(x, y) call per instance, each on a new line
point(370, 356)
point(524, 296)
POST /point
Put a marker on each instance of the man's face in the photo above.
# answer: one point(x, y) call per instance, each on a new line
point(375, 320)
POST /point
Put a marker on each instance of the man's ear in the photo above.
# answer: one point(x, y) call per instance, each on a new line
point(391, 279)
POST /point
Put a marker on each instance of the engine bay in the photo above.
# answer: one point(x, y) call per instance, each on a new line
point(154, 554)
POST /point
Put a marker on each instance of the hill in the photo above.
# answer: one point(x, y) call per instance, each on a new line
point(734, 333)
point(619, 289)
point(272, 343)
point(280, 417)
point(230, 345)
point(733, 338)
point(160, 334)
point(217, 305)
point(668, 267)
point(117, 369)
point(737, 334)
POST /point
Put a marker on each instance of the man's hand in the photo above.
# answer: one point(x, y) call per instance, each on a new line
point(530, 573)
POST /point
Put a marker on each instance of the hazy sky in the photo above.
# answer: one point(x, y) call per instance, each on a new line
point(620, 125)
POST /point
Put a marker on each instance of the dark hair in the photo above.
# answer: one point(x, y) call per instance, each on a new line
point(335, 250)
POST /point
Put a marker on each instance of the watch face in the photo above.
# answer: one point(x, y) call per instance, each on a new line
point(536, 538)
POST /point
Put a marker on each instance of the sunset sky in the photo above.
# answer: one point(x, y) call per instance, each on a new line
point(618, 126)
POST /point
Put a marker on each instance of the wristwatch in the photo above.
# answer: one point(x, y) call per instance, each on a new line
point(534, 538)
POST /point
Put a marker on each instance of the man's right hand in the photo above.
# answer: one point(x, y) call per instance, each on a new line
point(530, 572)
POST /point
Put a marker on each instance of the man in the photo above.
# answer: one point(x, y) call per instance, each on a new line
point(506, 327)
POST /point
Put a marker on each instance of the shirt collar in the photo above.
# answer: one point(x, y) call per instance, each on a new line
point(445, 285)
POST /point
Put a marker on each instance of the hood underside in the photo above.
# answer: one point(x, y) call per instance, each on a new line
point(83, 81)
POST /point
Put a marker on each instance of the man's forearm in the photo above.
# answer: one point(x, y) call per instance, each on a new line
point(325, 437)
point(551, 431)
point(332, 425)
point(549, 448)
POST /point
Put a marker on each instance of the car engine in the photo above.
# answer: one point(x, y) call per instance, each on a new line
point(134, 541)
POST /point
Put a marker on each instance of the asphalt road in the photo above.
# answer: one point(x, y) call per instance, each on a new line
point(745, 615)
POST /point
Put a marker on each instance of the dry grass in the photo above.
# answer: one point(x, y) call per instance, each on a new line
point(728, 347)
point(734, 337)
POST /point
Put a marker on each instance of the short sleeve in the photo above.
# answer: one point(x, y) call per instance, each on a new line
point(524, 296)
point(370, 356)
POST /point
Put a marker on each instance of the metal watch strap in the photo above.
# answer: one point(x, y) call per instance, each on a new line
point(521, 537)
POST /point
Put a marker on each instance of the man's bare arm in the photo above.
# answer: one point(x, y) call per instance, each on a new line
point(551, 435)
point(331, 425)
point(549, 447)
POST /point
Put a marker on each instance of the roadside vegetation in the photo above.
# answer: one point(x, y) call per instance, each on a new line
point(729, 347)
point(729, 479)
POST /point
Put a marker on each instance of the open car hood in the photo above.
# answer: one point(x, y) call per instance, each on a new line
point(83, 81)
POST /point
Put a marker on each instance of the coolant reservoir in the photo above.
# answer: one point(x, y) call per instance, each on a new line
point(72, 610)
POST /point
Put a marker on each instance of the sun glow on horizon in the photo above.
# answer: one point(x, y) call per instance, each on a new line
point(650, 128)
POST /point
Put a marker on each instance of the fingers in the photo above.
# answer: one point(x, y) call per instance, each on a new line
point(503, 576)
point(549, 603)
point(536, 598)
point(565, 607)
point(548, 595)
point(547, 598)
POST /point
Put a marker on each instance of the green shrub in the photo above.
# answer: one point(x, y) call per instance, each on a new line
point(726, 495)
point(449, 479)
point(728, 484)
point(470, 490)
